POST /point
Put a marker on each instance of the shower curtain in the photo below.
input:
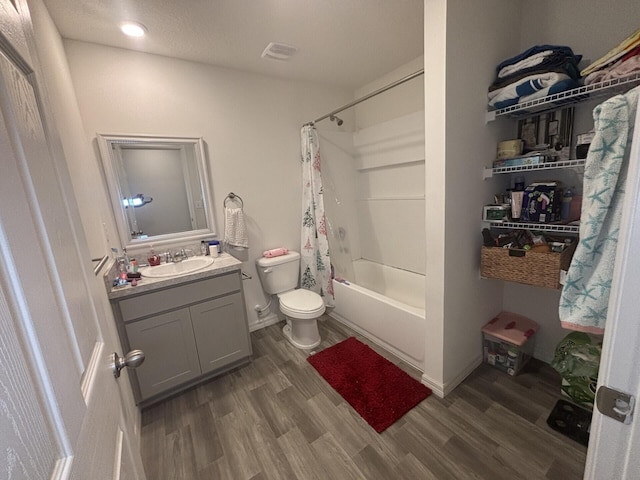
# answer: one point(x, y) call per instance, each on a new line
point(315, 263)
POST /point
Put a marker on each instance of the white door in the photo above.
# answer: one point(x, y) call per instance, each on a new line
point(614, 448)
point(61, 409)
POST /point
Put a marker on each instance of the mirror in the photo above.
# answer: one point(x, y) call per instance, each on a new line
point(159, 188)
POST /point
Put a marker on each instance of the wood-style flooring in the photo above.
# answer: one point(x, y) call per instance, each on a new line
point(276, 418)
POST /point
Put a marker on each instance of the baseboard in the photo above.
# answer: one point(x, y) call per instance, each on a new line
point(270, 319)
point(441, 390)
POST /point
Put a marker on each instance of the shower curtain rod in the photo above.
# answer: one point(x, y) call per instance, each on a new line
point(367, 97)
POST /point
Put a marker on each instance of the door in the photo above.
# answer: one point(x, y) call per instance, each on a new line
point(614, 446)
point(61, 409)
point(221, 332)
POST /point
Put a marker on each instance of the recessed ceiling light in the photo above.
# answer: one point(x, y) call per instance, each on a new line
point(133, 29)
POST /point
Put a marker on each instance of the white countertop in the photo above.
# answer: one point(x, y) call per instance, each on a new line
point(224, 263)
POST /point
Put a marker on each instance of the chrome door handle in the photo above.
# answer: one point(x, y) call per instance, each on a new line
point(132, 359)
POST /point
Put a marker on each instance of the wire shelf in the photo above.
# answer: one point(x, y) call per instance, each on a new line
point(568, 97)
point(489, 172)
point(544, 227)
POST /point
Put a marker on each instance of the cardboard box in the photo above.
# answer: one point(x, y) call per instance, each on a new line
point(508, 342)
point(542, 203)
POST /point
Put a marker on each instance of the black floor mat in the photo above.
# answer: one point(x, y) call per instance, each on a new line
point(571, 420)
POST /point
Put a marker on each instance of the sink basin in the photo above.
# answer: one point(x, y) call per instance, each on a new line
point(189, 265)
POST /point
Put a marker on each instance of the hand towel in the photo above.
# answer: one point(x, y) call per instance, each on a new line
point(584, 300)
point(235, 231)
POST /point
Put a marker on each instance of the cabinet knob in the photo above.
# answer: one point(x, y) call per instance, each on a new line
point(132, 359)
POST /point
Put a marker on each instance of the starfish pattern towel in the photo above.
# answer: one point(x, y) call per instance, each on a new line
point(585, 296)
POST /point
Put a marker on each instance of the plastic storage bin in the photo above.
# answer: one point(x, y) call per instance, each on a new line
point(508, 341)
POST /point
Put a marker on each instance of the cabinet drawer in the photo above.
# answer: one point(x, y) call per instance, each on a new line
point(156, 302)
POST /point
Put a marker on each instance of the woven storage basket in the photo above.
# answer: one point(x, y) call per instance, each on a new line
point(530, 268)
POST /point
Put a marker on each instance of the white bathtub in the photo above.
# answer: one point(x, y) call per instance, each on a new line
point(386, 305)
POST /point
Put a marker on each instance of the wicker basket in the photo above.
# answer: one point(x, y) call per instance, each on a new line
point(530, 268)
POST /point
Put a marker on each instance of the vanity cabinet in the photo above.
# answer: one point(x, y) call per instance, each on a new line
point(189, 332)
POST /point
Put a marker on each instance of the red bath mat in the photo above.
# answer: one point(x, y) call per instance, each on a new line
point(378, 390)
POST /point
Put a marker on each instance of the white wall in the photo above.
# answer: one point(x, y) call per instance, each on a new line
point(400, 101)
point(250, 124)
point(464, 40)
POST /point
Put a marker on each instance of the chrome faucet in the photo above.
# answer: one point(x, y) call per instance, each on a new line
point(180, 255)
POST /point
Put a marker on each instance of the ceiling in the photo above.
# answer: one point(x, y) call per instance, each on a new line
point(346, 43)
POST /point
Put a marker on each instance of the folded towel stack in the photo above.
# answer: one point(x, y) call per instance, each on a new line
point(620, 61)
point(535, 73)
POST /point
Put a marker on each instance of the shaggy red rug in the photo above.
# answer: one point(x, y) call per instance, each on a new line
point(378, 390)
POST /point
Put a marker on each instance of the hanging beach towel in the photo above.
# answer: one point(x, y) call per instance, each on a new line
point(315, 263)
point(585, 296)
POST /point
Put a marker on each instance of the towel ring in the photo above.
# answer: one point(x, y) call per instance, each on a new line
point(233, 196)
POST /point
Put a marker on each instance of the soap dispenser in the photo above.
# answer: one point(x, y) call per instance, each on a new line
point(153, 259)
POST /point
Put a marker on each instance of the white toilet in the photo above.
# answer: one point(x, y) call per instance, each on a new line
point(301, 307)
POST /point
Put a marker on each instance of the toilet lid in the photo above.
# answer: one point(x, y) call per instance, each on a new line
point(302, 301)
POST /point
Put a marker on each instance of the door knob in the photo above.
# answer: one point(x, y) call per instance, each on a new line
point(132, 359)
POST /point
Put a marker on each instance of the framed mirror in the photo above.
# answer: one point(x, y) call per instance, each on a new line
point(159, 189)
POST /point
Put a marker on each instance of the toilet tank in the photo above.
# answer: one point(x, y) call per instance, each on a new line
point(279, 274)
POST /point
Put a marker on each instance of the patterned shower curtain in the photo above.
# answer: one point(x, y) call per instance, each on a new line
point(315, 264)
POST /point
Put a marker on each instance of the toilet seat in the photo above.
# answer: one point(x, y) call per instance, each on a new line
point(302, 304)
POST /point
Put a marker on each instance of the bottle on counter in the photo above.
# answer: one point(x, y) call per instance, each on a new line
point(567, 198)
point(153, 258)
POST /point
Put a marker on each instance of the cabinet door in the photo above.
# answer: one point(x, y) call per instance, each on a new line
point(170, 351)
point(221, 332)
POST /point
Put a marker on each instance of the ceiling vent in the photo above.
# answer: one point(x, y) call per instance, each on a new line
point(279, 51)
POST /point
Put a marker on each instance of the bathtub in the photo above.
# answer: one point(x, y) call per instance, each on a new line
point(386, 305)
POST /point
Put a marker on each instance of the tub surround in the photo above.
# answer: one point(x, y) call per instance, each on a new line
point(191, 328)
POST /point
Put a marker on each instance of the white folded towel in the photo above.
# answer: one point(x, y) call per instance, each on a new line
point(235, 231)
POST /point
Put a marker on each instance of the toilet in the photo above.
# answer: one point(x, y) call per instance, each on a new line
point(301, 307)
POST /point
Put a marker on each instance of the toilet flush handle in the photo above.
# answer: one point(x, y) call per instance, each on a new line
point(267, 270)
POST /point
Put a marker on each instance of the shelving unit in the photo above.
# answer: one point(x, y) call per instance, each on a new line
point(568, 97)
point(543, 227)
point(540, 227)
point(490, 172)
point(546, 104)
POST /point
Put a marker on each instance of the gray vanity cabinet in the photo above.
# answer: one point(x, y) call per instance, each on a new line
point(189, 332)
